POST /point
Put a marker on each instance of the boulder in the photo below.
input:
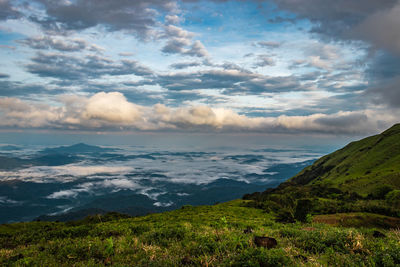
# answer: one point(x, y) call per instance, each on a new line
point(266, 242)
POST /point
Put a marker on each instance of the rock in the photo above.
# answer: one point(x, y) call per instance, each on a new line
point(378, 234)
point(186, 260)
point(266, 242)
point(248, 230)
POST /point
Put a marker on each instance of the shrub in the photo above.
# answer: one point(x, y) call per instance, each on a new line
point(393, 198)
point(262, 257)
point(303, 208)
point(285, 215)
point(380, 192)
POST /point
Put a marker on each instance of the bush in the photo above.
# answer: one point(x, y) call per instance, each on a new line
point(303, 208)
point(393, 198)
point(262, 257)
point(285, 216)
point(380, 192)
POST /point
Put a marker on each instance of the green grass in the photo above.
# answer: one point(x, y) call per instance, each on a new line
point(361, 166)
point(194, 236)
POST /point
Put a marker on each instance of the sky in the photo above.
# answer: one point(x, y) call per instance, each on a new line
point(262, 67)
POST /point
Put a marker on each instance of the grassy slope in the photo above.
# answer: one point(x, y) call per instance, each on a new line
point(360, 166)
point(205, 235)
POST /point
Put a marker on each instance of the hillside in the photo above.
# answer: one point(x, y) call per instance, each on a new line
point(359, 167)
point(218, 235)
point(364, 176)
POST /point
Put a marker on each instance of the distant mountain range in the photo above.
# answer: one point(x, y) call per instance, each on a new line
point(77, 148)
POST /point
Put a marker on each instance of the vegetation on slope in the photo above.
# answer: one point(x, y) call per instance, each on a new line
point(364, 176)
point(359, 167)
point(204, 235)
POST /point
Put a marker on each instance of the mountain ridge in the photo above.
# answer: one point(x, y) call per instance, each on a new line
point(358, 167)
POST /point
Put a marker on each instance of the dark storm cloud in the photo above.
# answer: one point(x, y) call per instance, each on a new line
point(383, 66)
point(7, 11)
point(384, 79)
point(134, 16)
point(387, 93)
point(48, 42)
point(4, 76)
point(334, 18)
point(73, 68)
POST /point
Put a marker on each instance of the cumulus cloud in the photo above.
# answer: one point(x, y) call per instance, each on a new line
point(112, 110)
point(180, 41)
point(111, 107)
point(172, 19)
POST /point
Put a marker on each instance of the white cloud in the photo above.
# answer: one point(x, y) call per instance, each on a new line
point(111, 107)
point(64, 173)
point(113, 110)
point(91, 187)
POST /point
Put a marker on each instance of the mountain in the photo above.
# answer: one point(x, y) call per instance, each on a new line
point(77, 148)
point(359, 167)
point(8, 163)
point(9, 148)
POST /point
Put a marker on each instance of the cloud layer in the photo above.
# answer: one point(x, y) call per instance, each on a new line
point(104, 111)
point(266, 66)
